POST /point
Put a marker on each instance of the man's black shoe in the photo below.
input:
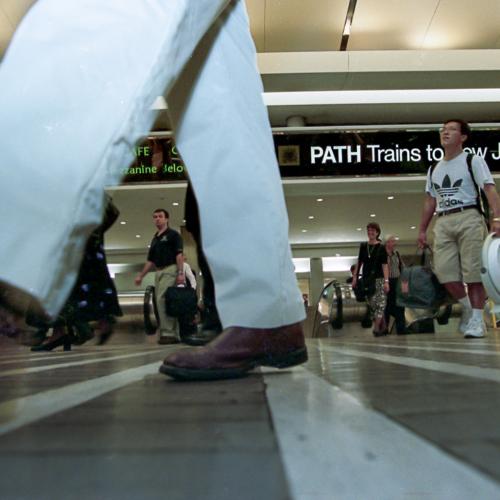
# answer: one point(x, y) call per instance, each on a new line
point(200, 338)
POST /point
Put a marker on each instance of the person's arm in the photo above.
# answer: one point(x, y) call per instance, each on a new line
point(357, 268)
point(494, 203)
point(383, 258)
point(355, 275)
point(190, 276)
point(385, 270)
point(427, 213)
point(179, 260)
point(148, 266)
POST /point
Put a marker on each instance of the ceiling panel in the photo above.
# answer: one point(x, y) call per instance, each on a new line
point(459, 24)
point(390, 24)
point(298, 25)
point(257, 14)
point(6, 31)
point(425, 24)
point(15, 9)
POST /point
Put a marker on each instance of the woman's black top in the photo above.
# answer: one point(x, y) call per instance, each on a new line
point(371, 258)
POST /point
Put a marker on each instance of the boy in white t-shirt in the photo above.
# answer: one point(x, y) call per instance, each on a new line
point(460, 228)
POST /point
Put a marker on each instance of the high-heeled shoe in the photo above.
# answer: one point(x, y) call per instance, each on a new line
point(105, 328)
point(38, 337)
point(49, 345)
point(84, 332)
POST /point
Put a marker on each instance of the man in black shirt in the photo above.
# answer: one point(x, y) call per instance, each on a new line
point(165, 256)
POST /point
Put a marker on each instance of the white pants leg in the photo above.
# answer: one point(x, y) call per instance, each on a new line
point(75, 90)
point(223, 134)
point(76, 87)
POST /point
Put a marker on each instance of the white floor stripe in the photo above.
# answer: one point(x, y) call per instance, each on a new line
point(491, 374)
point(333, 448)
point(422, 348)
point(35, 369)
point(473, 343)
point(22, 411)
point(52, 355)
point(29, 355)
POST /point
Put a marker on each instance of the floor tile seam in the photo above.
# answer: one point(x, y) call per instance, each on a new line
point(481, 363)
point(300, 475)
point(487, 363)
point(316, 357)
point(421, 348)
point(81, 351)
point(148, 448)
point(474, 343)
point(59, 354)
point(173, 422)
point(38, 369)
point(180, 450)
point(491, 374)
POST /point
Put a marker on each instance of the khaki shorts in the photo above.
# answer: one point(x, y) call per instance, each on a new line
point(458, 240)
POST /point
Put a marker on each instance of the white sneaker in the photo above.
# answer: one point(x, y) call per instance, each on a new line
point(475, 329)
point(464, 320)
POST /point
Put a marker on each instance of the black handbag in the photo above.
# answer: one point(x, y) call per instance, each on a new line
point(180, 301)
point(364, 289)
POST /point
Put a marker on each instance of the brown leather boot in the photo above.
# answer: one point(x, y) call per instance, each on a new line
point(238, 350)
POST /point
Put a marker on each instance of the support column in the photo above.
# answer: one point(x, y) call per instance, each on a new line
point(315, 280)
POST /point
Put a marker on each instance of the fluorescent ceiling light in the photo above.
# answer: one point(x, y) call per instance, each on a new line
point(417, 96)
point(347, 28)
point(330, 97)
point(302, 265)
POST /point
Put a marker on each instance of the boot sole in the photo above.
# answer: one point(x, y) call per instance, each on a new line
point(286, 361)
point(196, 374)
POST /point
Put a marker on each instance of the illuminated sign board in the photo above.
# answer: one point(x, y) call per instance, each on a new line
point(328, 154)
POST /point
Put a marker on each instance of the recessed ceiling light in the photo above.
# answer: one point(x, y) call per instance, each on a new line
point(397, 238)
point(390, 197)
point(175, 204)
point(319, 199)
point(358, 229)
point(413, 227)
point(123, 222)
point(304, 230)
point(373, 215)
point(311, 217)
point(137, 235)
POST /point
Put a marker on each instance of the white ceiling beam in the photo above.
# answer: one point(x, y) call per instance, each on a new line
point(378, 61)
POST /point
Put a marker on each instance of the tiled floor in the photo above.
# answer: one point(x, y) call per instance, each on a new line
point(396, 417)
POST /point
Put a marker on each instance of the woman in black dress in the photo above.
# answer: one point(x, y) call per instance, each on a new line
point(93, 298)
point(372, 266)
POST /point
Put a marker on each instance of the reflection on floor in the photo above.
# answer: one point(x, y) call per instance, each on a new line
point(388, 418)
